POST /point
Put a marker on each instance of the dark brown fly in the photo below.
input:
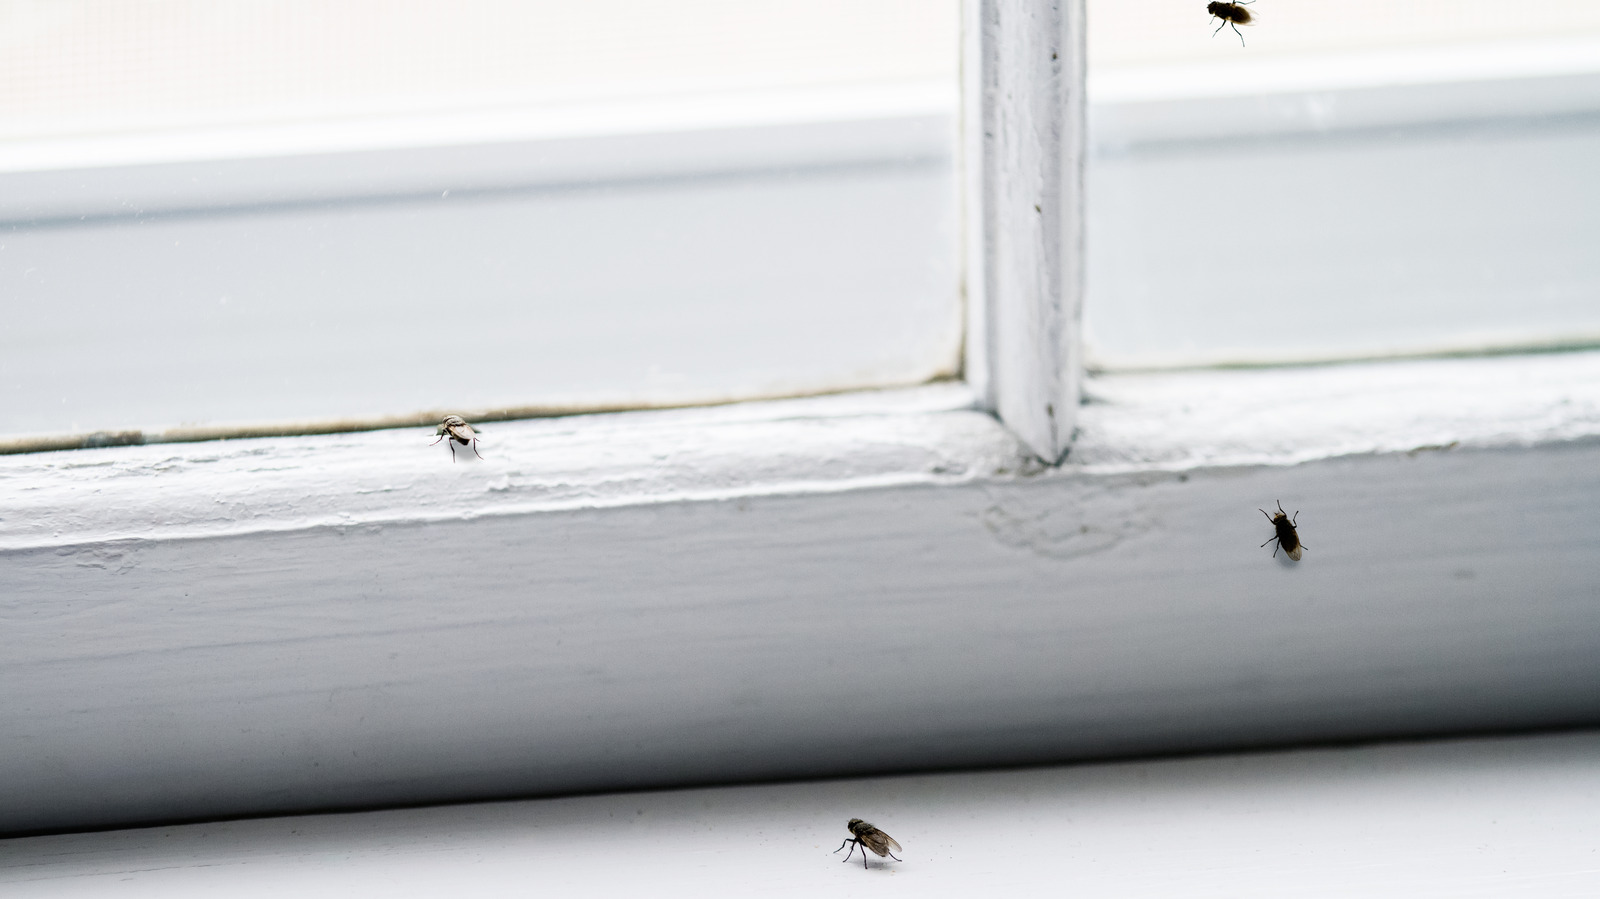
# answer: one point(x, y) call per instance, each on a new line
point(1286, 535)
point(1233, 14)
point(867, 837)
point(457, 429)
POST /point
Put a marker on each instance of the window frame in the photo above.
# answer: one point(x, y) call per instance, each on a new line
point(872, 582)
point(420, 198)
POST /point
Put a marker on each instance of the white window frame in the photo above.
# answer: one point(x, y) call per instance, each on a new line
point(871, 582)
point(406, 172)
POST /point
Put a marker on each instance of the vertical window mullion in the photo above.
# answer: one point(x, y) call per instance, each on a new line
point(1023, 147)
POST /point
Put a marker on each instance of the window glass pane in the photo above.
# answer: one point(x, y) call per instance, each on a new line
point(251, 212)
point(1359, 178)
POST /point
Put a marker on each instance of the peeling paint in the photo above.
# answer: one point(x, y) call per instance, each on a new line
point(1091, 523)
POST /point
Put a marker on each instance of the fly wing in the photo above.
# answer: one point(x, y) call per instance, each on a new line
point(462, 432)
point(1295, 553)
point(878, 841)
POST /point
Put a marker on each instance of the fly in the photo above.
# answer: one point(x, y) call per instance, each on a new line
point(1233, 14)
point(456, 428)
point(1286, 535)
point(867, 837)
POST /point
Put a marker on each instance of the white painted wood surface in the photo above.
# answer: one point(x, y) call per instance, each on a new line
point(380, 478)
point(1286, 416)
point(422, 157)
point(1498, 817)
point(1024, 115)
point(798, 590)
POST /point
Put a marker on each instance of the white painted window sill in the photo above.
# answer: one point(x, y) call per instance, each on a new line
point(1488, 817)
point(846, 585)
point(395, 478)
point(1170, 421)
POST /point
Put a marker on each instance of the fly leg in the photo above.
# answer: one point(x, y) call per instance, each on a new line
point(852, 844)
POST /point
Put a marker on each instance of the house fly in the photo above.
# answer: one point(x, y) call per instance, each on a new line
point(867, 837)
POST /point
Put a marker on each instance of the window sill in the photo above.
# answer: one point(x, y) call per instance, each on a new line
point(844, 585)
point(395, 478)
point(1478, 817)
